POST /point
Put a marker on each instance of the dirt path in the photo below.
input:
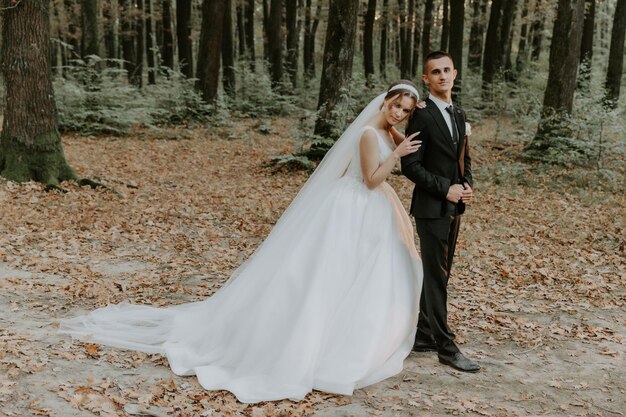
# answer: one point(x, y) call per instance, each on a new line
point(537, 297)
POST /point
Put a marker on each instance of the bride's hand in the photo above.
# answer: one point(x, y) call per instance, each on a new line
point(408, 146)
point(420, 105)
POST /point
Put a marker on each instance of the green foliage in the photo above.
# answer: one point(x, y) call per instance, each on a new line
point(95, 98)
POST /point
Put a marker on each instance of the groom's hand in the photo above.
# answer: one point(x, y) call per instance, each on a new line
point(455, 192)
point(467, 194)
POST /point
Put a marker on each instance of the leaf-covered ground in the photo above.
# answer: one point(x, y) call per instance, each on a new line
point(537, 297)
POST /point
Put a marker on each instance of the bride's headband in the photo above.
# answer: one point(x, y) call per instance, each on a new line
point(405, 87)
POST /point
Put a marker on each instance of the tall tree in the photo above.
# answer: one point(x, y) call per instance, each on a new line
point(129, 53)
point(457, 14)
point(228, 50)
point(426, 27)
point(491, 58)
point(90, 38)
point(539, 19)
point(275, 41)
point(183, 37)
point(210, 51)
point(30, 144)
point(141, 42)
point(167, 53)
point(586, 45)
point(616, 55)
point(417, 33)
point(150, 43)
point(249, 31)
point(475, 52)
point(405, 15)
point(241, 32)
point(523, 41)
point(293, 35)
point(559, 95)
point(445, 25)
point(506, 37)
point(337, 65)
point(384, 42)
point(368, 40)
point(109, 12)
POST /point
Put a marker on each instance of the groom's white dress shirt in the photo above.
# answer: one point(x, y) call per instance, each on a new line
point(441, 105)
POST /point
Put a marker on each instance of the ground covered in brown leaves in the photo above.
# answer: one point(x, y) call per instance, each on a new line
point(537, 295)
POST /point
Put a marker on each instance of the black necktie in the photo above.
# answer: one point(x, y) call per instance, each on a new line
point(455, 132)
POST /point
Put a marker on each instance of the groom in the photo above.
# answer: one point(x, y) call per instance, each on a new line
point(442, 172)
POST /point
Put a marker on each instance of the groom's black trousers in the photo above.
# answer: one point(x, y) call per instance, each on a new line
point(437, 243)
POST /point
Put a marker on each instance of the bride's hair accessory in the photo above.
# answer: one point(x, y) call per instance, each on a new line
point(405, 87)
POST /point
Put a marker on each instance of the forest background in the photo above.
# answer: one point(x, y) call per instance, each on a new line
point(148, 146)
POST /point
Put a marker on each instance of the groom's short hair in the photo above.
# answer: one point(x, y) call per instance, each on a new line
point(436, 55)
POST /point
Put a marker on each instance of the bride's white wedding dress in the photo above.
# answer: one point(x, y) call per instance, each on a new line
point(330, 303)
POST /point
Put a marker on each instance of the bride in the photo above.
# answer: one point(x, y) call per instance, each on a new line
point(329, 301)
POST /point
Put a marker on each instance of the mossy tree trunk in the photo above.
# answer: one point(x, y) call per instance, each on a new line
point(30, 144)
point(554, 128)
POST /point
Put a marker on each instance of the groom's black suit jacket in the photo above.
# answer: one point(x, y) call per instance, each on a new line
point(437, 164)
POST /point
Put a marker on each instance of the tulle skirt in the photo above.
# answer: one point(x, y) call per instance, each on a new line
point(333, 309)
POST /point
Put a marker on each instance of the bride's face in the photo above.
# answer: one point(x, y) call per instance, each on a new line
point(396, 111)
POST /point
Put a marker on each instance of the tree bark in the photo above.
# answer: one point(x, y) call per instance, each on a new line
point(110, 31)
point(90, 38)
point(337, 65)
point(30, 144)
point(564, 58)
point(150, 43)
point(129, 54)
point(491, 56)
point(183, 37)
point(384, 42)
point(73, 25)
point(291, 8)
point(266, 30)
point(275, 41)
point(417, 33)
point(616, 55)
point(445, 26)
point(428, 23)
point(228, 50)
point(141, 42)
point(506, 29)
point(475, 52)
point(368, 41)
point(167, 53)
point(521, 47)
point(457, 14)
point(209, 54)
point(539, 18)
point(249, 29)
point(241, 32)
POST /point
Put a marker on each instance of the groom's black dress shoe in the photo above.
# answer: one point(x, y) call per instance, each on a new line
point(424, 346)
point(460, 362)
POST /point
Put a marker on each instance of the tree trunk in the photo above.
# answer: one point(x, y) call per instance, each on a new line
point(445, 26)
point(275, 41)
point(368, 41)
point(616, 55)
point(183, 37)
point(209, 54)
point(539, 18)
point(428, 23)
point(249, 29)
point(475, 52)
point(129, 53)
point(266, 30)
point(506, 28)
point(73, 25)
point(521, 48)
point(405, 15)
point(417, 32)
point(228, 50)
point(150, 44)
point(90, 38)
point(384, 42)
point(291, 14)
point(586, 46)
point(337, 66)
point(58, 10)
point(457, 14)
point(141, 42)
point(491, 56)
point(167, 53)
point(559, 95)
point(30, 144)
point(241, 32)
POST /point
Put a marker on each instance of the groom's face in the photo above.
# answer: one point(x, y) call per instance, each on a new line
point(439, 76)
